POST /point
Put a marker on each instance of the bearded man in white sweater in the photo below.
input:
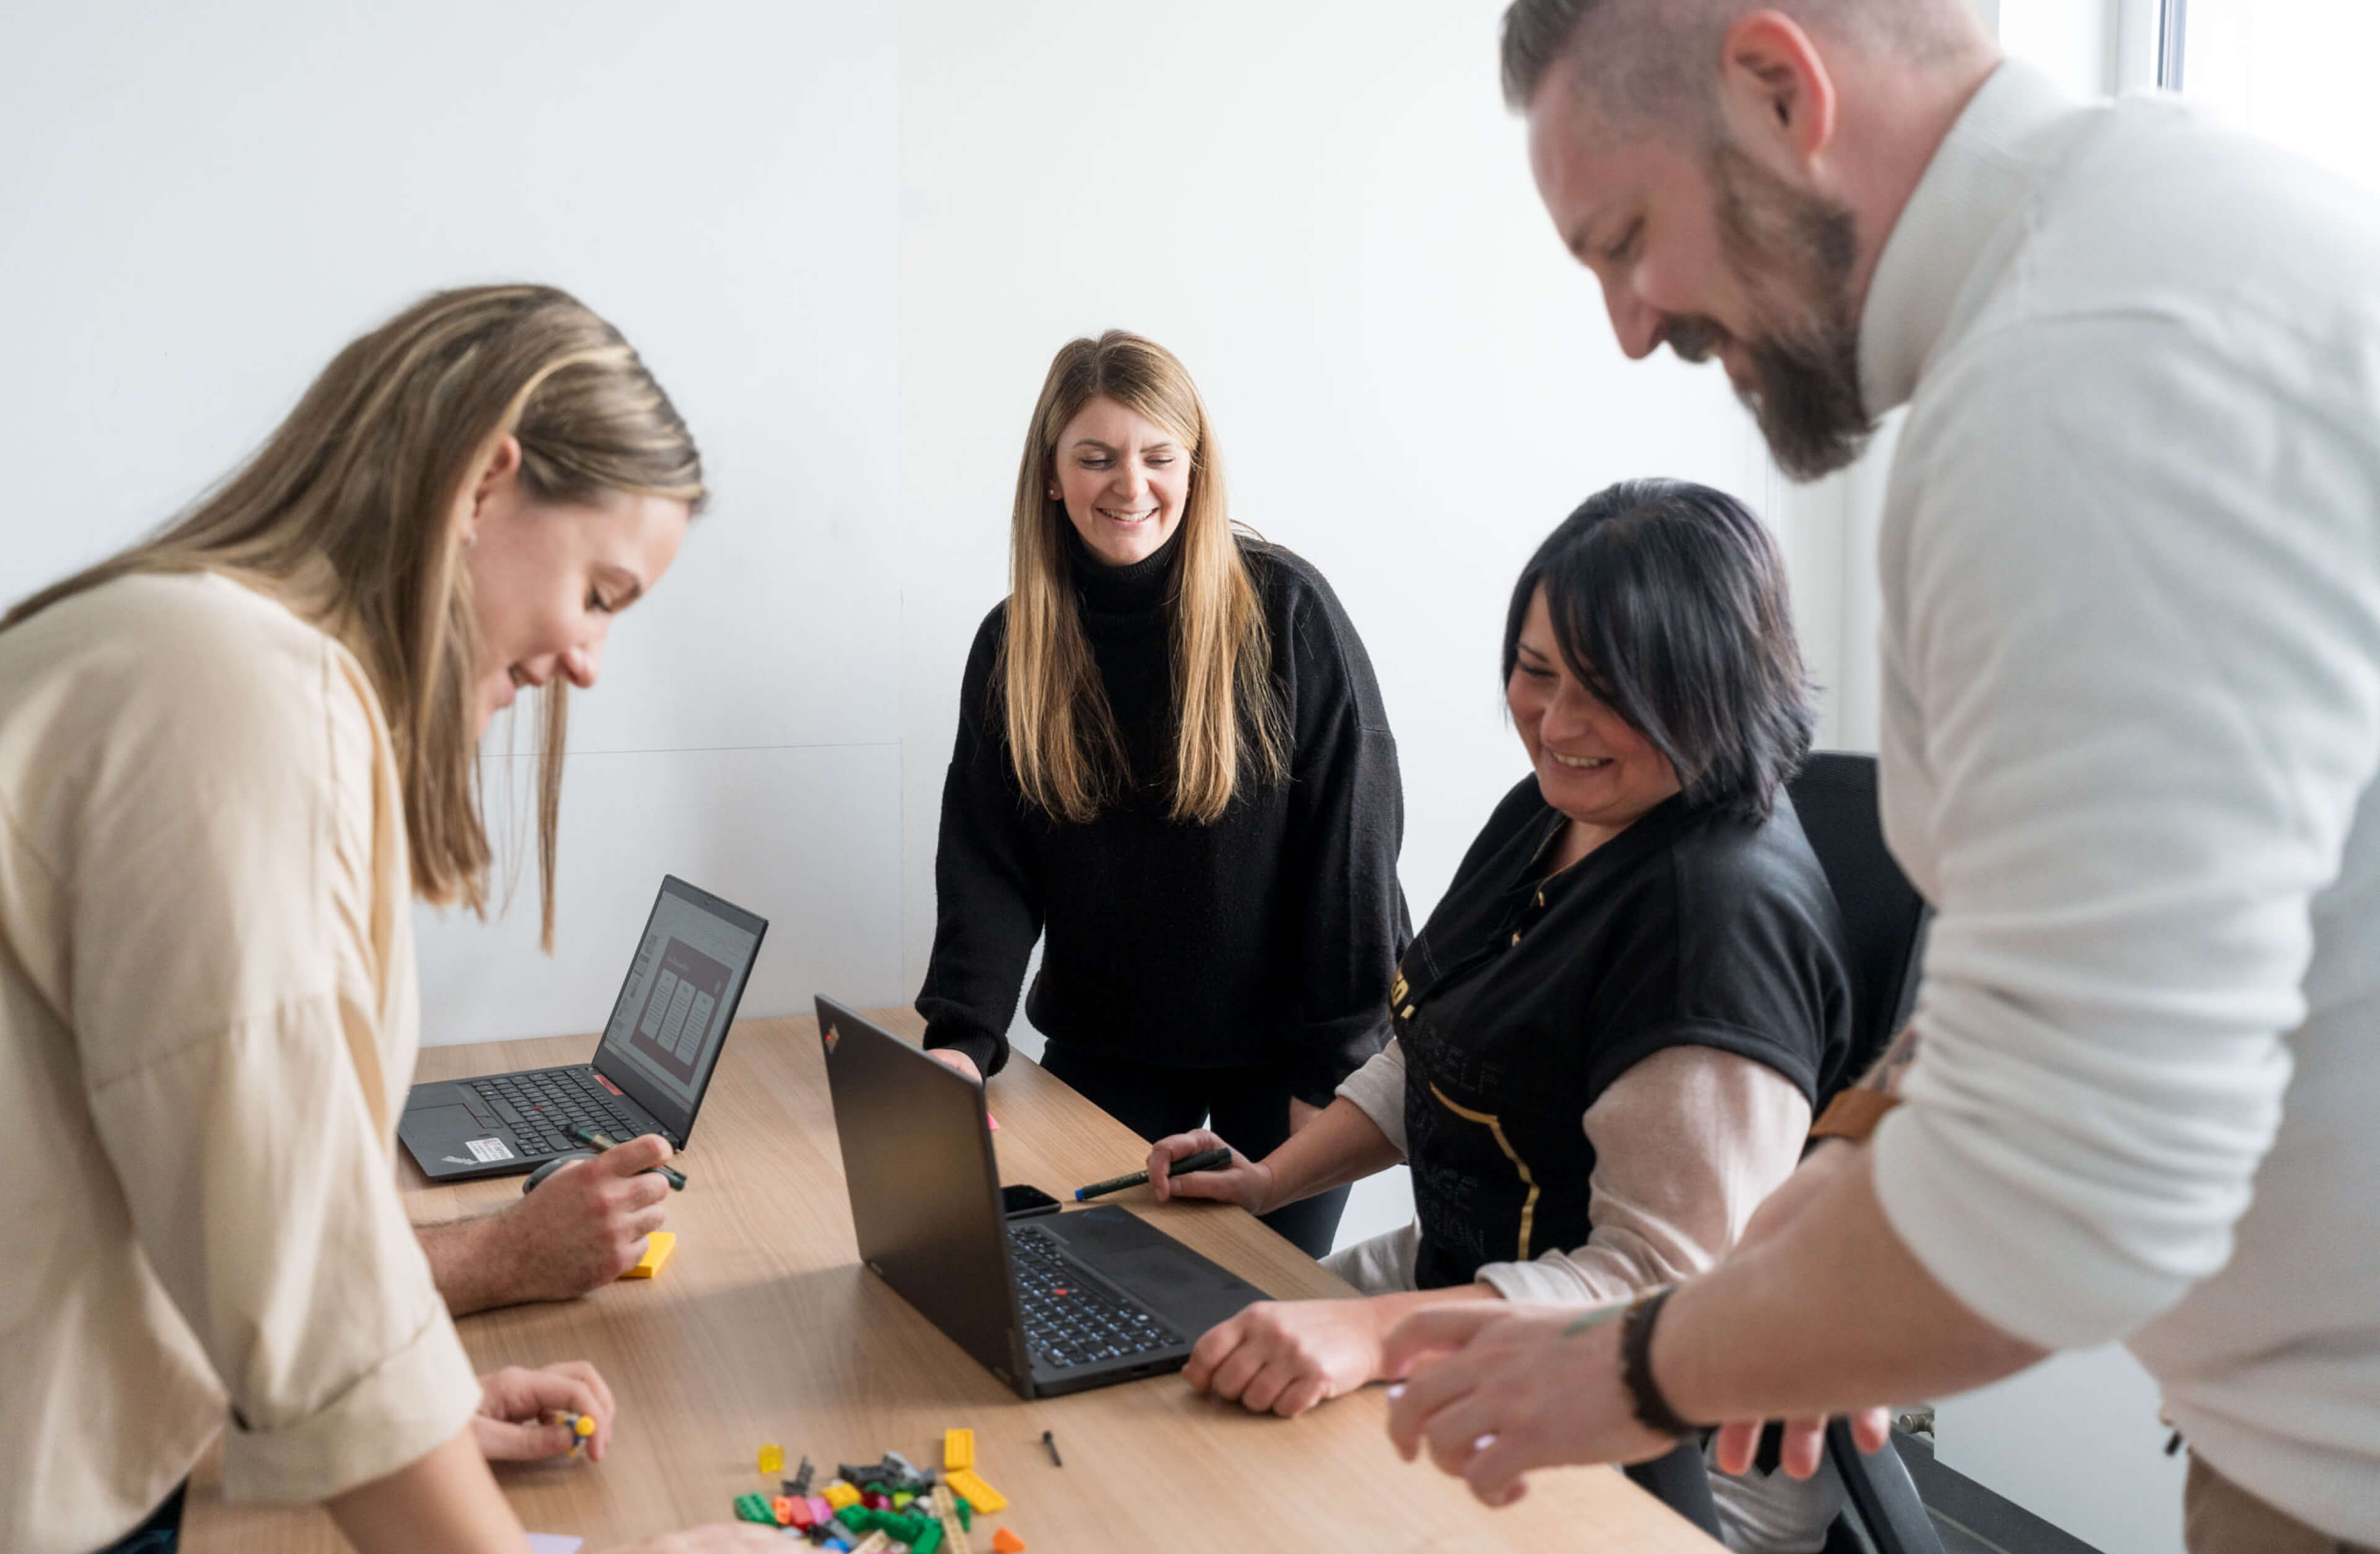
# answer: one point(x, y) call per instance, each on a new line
point(2131, 561)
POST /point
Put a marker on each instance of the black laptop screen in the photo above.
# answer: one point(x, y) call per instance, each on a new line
point(682, 991)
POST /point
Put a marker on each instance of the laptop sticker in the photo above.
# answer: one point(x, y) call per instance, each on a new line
point(483, 1150)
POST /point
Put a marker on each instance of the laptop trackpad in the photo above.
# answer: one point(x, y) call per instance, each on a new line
point(1156, 1269)
point(441, 1121)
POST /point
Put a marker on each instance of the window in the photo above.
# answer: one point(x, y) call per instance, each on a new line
point(2295, 72)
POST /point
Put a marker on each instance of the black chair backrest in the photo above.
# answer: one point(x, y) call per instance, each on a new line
point(1884, 917)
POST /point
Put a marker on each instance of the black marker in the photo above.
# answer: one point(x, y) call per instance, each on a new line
point(1206, 1159)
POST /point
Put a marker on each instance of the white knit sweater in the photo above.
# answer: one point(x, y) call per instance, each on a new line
point(2131, 562)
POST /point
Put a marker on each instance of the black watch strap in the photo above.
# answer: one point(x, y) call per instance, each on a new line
point(1652, 1410)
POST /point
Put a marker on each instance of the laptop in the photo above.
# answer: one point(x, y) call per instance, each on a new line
point(1060, 1303)
point(649, 1072)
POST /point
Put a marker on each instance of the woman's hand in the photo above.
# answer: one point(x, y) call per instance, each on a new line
point(514, 1404)
point(1285, 1356)
point(1245, 1182)
point(956, 1061)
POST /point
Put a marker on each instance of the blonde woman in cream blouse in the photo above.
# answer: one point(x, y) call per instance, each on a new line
point(229, 757)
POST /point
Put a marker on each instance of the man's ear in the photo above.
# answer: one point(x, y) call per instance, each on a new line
point(1776, 92)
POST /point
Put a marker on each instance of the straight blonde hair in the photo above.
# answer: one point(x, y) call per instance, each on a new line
point(1062, 737)
point(348, 513)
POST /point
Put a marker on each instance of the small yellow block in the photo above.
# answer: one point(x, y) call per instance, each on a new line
point(983, 1496)
point(839, 1494)
point(659, 1244)
point(958, 1450)
point(772, 1459)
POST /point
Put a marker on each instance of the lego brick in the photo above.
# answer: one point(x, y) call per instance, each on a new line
point(1006, 1542)
point(782, 1509)
point(950, 1508)
point(772, 1459)
point(819, 1510)
point(929, 1541)
point(981, 1496)
point(659, 1244)
point(958, 1450)
point(755, 1508)
point(874, 1543)
point(799, 1485)
point(839, 1494)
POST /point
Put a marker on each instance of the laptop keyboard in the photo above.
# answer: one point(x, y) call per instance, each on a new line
point(1069, 1320)
point(542, 1107)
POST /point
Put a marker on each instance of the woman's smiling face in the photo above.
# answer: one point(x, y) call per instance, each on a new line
point(1591, 764)
point(1123, 479)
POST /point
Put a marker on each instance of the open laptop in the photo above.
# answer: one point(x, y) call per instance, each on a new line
point(648, 1072)
point(1057, 1304)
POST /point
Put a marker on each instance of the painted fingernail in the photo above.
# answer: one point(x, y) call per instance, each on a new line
point(1484, 1442)
point(1396, 1392)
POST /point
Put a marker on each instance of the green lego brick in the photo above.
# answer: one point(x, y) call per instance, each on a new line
point(755, 1508)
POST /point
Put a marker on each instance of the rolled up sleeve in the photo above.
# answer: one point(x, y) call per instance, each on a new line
point(2134, 658)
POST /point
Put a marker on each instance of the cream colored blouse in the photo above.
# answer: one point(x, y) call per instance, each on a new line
point(208, 1021)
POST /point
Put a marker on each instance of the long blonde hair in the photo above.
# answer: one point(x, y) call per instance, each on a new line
point(365, 476)
point(1062, 737)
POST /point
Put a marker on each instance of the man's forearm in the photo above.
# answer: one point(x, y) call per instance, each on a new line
point(467, 1262)
point(1830, 1314)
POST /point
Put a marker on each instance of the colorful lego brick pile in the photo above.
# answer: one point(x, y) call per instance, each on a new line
point(887, 1507)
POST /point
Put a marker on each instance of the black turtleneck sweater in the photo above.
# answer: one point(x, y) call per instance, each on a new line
point(1269, 938)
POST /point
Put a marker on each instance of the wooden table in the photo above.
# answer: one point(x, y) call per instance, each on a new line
point(764, 1328)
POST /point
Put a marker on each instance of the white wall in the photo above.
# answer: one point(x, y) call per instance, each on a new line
point(200, 204)
point(1324, 209)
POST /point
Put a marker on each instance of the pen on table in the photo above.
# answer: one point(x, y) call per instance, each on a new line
point(1206, 1159)
point(595, 1140)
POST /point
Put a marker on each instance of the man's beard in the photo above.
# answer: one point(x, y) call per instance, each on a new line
point(1804, 356)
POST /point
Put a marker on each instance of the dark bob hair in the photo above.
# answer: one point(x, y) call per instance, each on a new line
point(1668, 600)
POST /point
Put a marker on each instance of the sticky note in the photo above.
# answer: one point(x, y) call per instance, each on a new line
point(659, 1244)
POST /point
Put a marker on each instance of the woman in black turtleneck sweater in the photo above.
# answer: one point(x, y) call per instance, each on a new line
point(1173, 769)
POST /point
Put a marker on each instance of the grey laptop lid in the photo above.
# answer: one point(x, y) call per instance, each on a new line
point(925, 1187)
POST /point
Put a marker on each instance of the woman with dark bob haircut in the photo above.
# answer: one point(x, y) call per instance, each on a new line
point(1609, 1035)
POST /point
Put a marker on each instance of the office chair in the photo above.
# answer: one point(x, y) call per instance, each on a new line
point(1884, 927)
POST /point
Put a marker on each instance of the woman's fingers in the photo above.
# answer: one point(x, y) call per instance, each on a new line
point(1165, 1151)
point(1737, 1445)
point(508, 1440)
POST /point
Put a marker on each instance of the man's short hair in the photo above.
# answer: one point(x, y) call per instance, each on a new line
point(1655, 60)
point(1668, 600)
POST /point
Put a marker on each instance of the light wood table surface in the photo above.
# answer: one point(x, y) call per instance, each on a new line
point(765, 1328)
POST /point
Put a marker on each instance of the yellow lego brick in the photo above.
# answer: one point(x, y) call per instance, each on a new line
point(958, 1450)
point(772, 1459)
point(983, 1496)
point(954, 1534)
point(839, 1494)
point(659, 1244)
